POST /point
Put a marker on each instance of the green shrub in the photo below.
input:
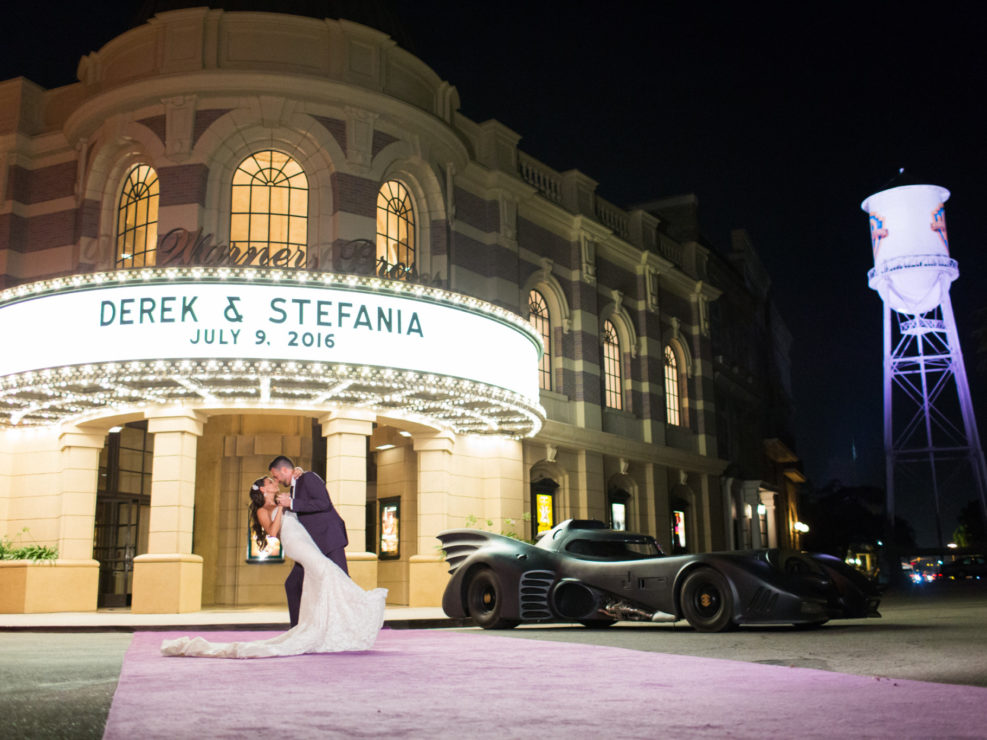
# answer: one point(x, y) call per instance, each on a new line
point(509, 530)
point(35, 553)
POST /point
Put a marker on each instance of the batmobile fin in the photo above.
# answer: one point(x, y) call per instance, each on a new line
point(459, 544)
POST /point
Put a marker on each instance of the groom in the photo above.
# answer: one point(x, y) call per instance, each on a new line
point(309, 498)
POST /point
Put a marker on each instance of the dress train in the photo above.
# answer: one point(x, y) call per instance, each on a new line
point(335, 614)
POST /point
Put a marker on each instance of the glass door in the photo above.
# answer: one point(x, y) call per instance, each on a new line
point(123, 501)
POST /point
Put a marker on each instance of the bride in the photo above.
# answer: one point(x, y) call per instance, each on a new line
point(335, 615)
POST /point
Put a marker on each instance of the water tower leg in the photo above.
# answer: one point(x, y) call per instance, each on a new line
point(927, 411)
point(890, 541)
point(976, 455)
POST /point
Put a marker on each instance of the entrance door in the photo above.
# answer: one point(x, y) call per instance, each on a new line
point(117, 530)
point(123, 504)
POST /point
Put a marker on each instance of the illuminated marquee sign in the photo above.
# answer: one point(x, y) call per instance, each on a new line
point(236, 316)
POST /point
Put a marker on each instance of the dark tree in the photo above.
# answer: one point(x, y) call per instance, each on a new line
point(841, 517)
point(970, 532)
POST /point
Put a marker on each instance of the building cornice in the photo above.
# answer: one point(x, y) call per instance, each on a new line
point(567, 435)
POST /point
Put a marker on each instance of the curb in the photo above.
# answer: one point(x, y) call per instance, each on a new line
point(395, 624)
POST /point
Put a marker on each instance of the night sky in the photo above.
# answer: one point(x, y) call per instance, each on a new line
point(781, 121)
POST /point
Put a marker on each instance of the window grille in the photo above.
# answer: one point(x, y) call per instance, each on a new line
point(611, 367)
point(269, 213)
point(137, 219)
point(672, 408)
point(395, 231)
point(541, 320)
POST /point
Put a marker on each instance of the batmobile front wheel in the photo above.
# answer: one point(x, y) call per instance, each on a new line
point(485, 600)
point(707, 601)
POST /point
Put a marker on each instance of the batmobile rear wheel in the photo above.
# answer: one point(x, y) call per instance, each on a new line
point(707, 601)
point(485, 600)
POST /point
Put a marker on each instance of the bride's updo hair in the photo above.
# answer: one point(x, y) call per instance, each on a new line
point(257, 502)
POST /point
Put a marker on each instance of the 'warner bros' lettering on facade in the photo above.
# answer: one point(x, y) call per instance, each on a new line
point(183, 247)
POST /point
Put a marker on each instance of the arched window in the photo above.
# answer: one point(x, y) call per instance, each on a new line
point(269, 213)
point(539, 317)
point(672, 395)
point(395, 232)
point(137, 218)
point(612, 396)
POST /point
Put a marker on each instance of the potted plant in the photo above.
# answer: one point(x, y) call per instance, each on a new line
point(29, 582)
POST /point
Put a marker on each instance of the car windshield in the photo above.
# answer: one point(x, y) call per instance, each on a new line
point(636, 549)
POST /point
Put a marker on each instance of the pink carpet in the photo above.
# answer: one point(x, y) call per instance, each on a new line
point(440, 684)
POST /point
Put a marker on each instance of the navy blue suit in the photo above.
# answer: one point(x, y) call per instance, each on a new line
point(319, 517)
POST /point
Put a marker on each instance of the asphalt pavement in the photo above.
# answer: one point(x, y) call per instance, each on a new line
point(57, 677)
point(936, 632)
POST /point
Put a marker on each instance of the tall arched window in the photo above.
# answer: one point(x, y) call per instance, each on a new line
point(672, 395)
point(539, 317)
point(612, 396)
point(269, 213)
point(137, 218)
point(395, 232)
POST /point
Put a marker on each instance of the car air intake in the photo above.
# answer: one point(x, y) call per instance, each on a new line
point(534, 587)
point(574, 600)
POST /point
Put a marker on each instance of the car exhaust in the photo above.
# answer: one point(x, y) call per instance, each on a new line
point(623, 610)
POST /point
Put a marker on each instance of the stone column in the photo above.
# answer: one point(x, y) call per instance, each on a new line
point(346, 478)
point(645, 513)
point(703, 507)
point(663, 508)
point(79, 450)
point(168, 578)
point(78, 587)
point(428, 574)
point(585, 500)
point(768, 502)
point(729, 514)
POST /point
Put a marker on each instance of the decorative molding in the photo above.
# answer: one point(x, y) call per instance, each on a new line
point(702, 308)
point(508, 218)
point(588, 251)
point(179, 126)
point(82, 154)
point(652, 284)
point(360, 136)
point(451, 193)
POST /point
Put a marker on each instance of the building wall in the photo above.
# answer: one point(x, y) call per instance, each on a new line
point(188, 95)
point(33, 487)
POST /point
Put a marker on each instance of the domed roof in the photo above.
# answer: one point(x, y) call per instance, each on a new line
point(378, 14)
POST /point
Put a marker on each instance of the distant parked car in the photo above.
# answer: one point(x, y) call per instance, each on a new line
point(968, 566)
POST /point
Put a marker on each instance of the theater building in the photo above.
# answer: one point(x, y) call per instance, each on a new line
point(247, 234)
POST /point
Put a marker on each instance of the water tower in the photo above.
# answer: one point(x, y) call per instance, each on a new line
point(931, 444)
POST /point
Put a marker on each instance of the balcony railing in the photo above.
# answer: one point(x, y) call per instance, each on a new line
point(547, 181)
point(614, 218)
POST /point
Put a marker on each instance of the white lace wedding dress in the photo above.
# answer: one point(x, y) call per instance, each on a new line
point(335, 614)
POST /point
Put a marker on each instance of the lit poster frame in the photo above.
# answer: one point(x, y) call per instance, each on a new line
point(544, 512)
point(272, 553)
point(678, 530)
point(389, 541)
point(618, 515)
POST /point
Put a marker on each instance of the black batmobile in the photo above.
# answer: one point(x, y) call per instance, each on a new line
point(580, 571)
